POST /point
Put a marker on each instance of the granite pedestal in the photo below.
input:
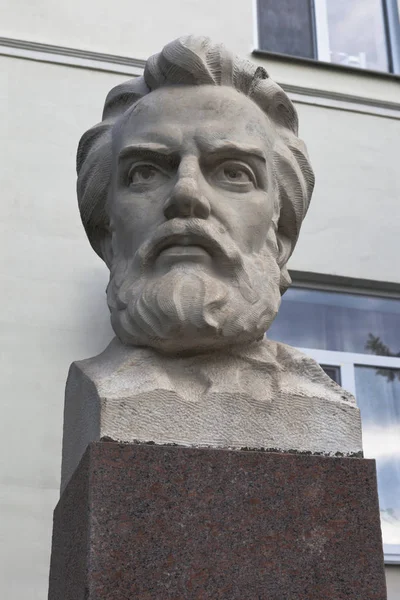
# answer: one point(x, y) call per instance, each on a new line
point(162, 522)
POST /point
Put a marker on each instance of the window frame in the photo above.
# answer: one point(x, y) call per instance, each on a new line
point(347, 361)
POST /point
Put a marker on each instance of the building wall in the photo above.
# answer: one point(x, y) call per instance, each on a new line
point(351, 228)
point(52, 306)
point(393, 582)
point(126, 28)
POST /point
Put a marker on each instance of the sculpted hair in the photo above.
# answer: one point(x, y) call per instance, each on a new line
point(197, 61)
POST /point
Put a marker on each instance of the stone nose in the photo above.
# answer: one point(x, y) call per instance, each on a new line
point(186, 200)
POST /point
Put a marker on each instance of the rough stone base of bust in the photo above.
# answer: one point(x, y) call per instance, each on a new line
point(265, 396)
point(153, 522)
point(269, 396)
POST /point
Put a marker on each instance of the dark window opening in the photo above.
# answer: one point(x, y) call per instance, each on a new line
point(333, 373)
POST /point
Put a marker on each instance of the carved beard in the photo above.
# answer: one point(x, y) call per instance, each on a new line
point(191, 308)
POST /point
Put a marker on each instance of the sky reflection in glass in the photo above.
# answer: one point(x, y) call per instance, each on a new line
point(357, 33)
point(378, 396)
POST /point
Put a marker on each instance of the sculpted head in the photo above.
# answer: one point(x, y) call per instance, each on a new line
point(193, 189)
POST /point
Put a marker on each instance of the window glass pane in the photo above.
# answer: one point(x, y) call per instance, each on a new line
point(378, 396)
point(286, 27)
point(338, 321)
point(357, 33)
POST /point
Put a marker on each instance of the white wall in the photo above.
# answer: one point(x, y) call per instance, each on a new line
point(52, 308)
point(393, 582)
point(352, 228)
point(128, 27)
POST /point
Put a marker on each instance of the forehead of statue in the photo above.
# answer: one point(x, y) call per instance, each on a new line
point(183, 115)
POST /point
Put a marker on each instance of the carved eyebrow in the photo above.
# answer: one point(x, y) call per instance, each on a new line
point(148, 148)
point(217, 148)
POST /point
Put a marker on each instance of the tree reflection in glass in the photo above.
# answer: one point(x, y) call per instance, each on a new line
point(376, 346)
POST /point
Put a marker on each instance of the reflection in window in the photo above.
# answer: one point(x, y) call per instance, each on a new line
point(378, 396)
point(338, 321)
point(356, 33)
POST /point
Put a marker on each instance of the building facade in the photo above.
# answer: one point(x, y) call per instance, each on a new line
point(340, 65)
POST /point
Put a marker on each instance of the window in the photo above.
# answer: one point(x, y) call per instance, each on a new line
point(363, 34)
point(356, 340)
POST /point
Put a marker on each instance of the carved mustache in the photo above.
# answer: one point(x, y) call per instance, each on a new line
point(193, 232)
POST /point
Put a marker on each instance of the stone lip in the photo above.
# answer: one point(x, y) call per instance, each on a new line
point(245, 449)
point(166, 522)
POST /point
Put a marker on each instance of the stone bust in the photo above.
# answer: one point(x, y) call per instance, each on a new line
point(193, 189)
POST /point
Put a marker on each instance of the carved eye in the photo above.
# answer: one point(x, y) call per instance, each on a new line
point(235, 176)
point(145, 174)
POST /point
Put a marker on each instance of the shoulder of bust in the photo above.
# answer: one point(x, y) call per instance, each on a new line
point(305, 375)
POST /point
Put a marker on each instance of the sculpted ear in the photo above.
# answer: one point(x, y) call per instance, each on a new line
point(106, 248)
point(285, 247)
